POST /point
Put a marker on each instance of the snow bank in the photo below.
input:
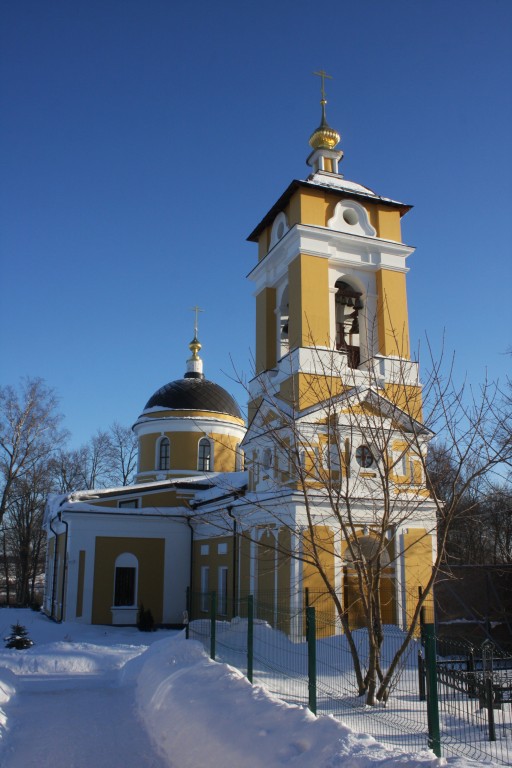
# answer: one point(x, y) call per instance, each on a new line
point(157, 699)
point(208, 714)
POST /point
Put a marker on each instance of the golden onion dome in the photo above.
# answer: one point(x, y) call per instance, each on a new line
point(324, 137)
point(194, 347)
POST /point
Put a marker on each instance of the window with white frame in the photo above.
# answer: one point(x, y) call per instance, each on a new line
point(204, 459)
point(223, 591)
point(205, 582)
point(125, 580)
point(128, 504)
point(164, 454)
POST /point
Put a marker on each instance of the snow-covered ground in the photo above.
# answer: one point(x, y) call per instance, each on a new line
point(112, 697)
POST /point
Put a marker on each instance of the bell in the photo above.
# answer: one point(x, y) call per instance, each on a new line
point(358, 303)
point(343, 299)
point(350, 301)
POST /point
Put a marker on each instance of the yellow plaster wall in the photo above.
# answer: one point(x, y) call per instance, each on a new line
point(163, 499)
point(266, 574)
point(319, 598)
point(352, 595)
point(392, 316)
point(304, 389)
point(386, 221)
point(245, 565)
point(184, 451)
point(150, 554)
point(316, 206)
point(147, 456)
point(417, 544)
point(309, 302)
point(312, 206)
point(266, 333)
point(408, 398)
point(264, 242)
point(214, 561)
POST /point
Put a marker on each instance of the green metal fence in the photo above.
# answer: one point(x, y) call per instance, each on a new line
point(439, 697)
point(302, 655)
point(474, 685)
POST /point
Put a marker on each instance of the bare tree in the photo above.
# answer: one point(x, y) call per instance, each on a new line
point(23, 532)
point(67, 470)
point(109, 458)
point(122, 453)
point(30, 435)
point(96, 461)
point(357, 460)
point(29, 432)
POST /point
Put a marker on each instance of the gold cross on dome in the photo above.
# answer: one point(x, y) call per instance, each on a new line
point(323, 75)
point(196, 309)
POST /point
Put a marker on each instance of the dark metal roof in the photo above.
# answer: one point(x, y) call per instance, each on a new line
point(194, 394)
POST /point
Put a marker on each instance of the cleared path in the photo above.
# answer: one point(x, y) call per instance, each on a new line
point(53, 726)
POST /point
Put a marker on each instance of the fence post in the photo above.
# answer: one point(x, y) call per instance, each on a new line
point(306, 605)
point(471, 674)
point(250, 637)
point(311, 638)
point(490, 709)
point(213, 617)
point(434, 734)
point(488, 668)
point(187, 625)
point(421, 677)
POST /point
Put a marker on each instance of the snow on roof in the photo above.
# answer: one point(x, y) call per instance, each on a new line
point(79, 501)
point(333, 181)
point(228, 483)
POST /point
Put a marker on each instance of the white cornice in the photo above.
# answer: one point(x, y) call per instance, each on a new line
point(204, 424)
point(365, 252)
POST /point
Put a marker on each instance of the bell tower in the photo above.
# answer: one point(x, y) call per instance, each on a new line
point(330, 286)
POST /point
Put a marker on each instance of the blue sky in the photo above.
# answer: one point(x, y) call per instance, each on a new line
point(142, 142)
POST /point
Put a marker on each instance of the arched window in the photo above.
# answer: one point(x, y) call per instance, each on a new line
point(125, 580)
point(204, 459)
point(348, 304)
point(164, 454)
point(239, 458)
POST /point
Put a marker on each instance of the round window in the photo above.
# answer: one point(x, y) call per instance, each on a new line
point(350, 216)
point(364, 456)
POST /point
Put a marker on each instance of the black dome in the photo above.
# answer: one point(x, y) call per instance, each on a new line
point(194, 394)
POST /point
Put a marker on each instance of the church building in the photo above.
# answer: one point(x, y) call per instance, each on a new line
point(327, 472)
